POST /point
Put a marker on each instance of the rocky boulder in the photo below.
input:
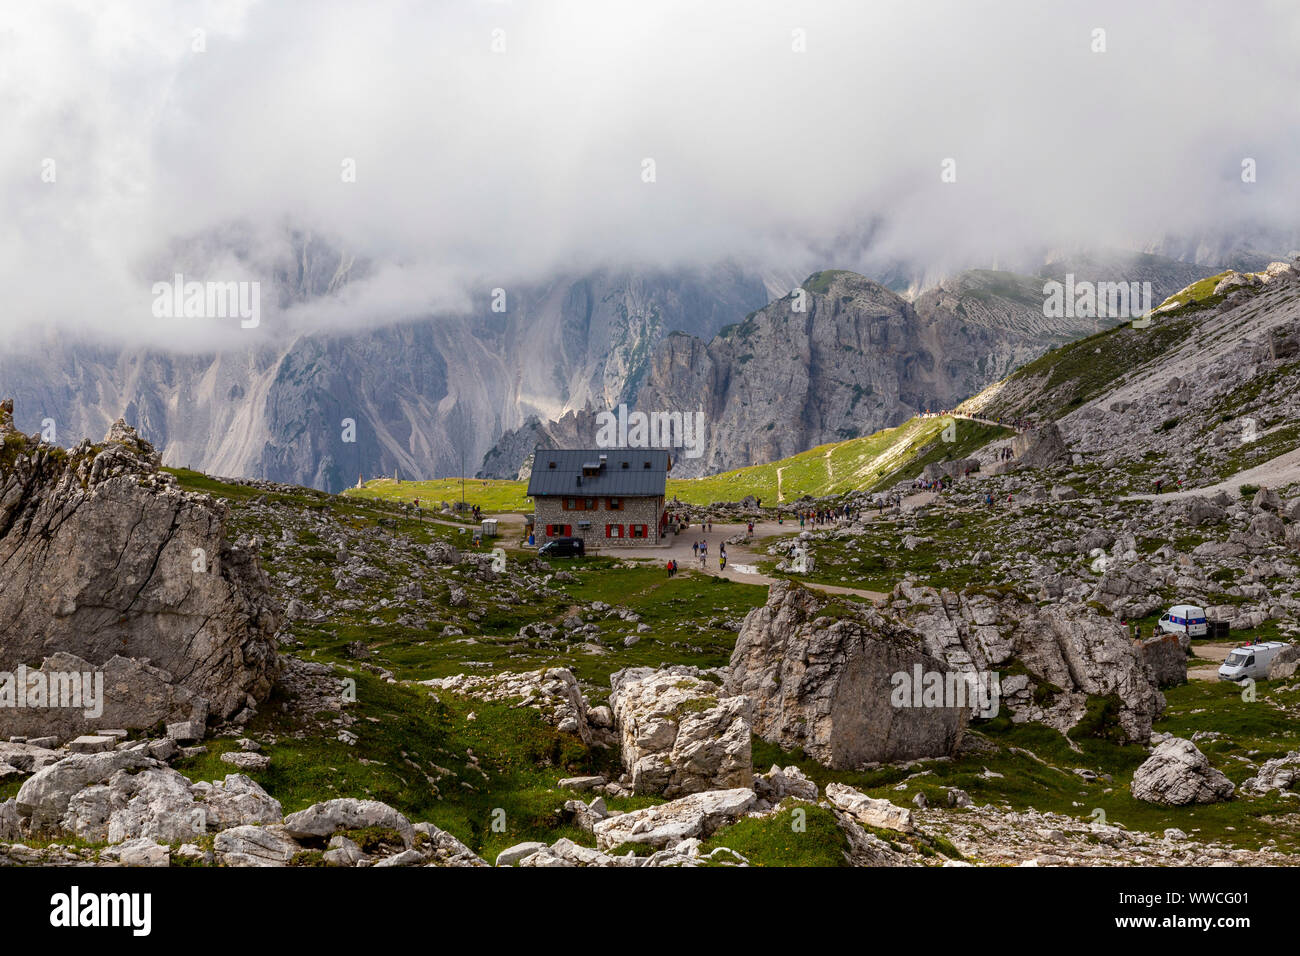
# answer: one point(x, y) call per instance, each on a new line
point(880, 814)
point(44, 798)
point(1040, 447)
point(1285, 663)
point(680, 734)
point(1070, 653)
point(121, 692)
point(827, 684)
point(106, 557)
point(1280, 773)
point(1167, 660)
point(667, 824)
point(779, 783)
point(327, 818)
point(1177, 774)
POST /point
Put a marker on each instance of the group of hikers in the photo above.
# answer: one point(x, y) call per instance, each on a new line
point(827, 515)
point(1004, 454)
point(940, 484)
point(701, 549)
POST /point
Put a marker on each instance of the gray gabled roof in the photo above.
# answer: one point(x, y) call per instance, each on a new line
point(556, 472)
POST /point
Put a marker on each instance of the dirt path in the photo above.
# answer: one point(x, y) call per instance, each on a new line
point(1275, 473)
point(1206, 658)
point(742, 560)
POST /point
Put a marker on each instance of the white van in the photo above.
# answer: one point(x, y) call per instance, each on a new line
point(1250, 660)
point(1185, 619)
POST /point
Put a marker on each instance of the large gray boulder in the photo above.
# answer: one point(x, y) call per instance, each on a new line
point(667, 824)
point(346, 813)
point(827, 685)
point(44, 798)
point(1068, 652)
point(1284, 664)
point(161, 804)
point(869, 811)
point(1280, 773)
point(235, 801)
point(122, 692)
point(1177, 774)
point(255, 846)
point(105, 557)
point(1040, 447)
point(1166, 658)
point(155, 803)
point(11, 821)
point(680, 734)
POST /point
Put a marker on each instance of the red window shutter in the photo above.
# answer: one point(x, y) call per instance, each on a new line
point(568, 530)
point(607, 530)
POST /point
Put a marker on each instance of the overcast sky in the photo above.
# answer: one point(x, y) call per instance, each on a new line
point(477, 166)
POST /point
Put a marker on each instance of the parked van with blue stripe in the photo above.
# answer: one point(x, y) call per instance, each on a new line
point(1184, 619)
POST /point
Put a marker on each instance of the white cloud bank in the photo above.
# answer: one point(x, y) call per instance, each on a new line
point(478, 167)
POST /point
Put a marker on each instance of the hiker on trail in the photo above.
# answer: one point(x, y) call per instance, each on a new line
point(751, 527)
point(1159, 482)
point(695, 546)
point(722, 561)
point(801, 519)
point(669, 566)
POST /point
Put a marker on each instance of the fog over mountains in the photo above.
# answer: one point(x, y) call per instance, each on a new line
point(478, 389)
point(495, 212)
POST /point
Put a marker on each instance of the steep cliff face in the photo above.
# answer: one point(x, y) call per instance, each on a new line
point(850, 358)
point(784, 380)
point(857, 359)
point(425, 396)
point(106, 562)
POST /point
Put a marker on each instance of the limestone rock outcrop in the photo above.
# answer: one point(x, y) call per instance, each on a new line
point(667, 824)
point(1177, 774)
point(1071, 652)
point(105, 557)
point(826, 685)
point(1167, 660)
point(1040, 446)
point(680, 734)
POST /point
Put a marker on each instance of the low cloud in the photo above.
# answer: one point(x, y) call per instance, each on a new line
point(494, 144)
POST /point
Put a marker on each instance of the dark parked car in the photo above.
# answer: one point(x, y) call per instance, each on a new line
point(563, 548)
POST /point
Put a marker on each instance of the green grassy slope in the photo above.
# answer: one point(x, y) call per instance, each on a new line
point(869, 462)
